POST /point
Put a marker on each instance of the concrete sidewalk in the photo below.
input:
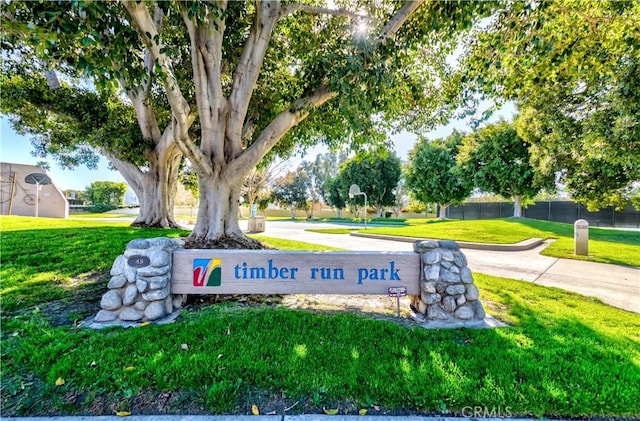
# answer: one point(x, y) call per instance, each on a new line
point(618, 286)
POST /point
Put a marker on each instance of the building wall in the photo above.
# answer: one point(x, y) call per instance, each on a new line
point(19, 198)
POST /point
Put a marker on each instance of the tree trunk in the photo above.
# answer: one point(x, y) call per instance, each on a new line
point(155, 188)
point(517, 206)
point(218, 225)
point(442, 213)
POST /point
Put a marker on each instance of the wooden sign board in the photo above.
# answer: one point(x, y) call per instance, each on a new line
point(283, 272)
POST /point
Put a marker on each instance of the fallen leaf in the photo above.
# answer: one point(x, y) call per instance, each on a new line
point(144, 324)
point(130, 368)
point(59, 381)
point(330, 411)
point(255, 410)
point(184, 346)
point(123, 413)
point(376, 407)
point(220, 356)
point(362, 412)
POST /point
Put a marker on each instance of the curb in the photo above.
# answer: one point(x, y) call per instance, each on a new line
point(521, 246)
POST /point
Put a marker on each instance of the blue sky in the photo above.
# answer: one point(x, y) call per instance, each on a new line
point(17, 149)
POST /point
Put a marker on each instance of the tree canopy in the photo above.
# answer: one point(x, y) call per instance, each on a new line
point(573, 69)
point(497, 160)
point(432, 174)
point(292, 190)
point(106, 193)
point(377, 173)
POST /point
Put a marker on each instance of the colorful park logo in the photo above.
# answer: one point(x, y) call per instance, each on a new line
point(207, 272)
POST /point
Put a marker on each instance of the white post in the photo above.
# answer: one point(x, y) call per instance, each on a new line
point(581, 237)
point(37, 188)
point(365, 210)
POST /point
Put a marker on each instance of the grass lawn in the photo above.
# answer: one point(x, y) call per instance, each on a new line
point(605, 245)
point(565, 354)
point(102, 215)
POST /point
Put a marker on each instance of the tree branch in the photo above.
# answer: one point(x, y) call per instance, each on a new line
point(151, 37)
point(129, 171)
point(280, 125)
point(206, 54)
point(396, 22)
point(248, 69)
point(301, 108)
point(144, 112)
point(189, 149)
point(314, 10)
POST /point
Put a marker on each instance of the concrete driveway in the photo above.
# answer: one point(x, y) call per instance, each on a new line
point(618, 286)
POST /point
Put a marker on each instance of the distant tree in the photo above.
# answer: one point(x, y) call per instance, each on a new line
point(106, 193)
point(327, 167)
point(44, 165)
point(377, 173)
point(189, 179)
point(256, 184)
point(336, 194)
point(77, 197)
point(433, 175)
point(417, 206)
point(497, 160)
point(292, 191)
point(401, 198)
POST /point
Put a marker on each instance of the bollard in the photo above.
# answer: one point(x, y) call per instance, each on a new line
point(256, 223)
point(581, 237)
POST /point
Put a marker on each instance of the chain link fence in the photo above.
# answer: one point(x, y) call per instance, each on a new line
point(558, 211)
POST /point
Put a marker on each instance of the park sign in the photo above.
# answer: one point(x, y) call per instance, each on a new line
point(151, 280)
point(284, 272)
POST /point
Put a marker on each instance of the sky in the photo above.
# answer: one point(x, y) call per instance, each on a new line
point(17, 149)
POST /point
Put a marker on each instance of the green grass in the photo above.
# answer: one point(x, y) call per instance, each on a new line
point(44, 257)
point(565, 354)
point(284, 244)
point(102, 215)
point(605, 245)
point(370, 220)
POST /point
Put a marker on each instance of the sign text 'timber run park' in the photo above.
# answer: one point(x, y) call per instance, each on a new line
point(282, 272)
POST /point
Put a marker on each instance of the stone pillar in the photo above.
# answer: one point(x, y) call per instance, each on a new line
point(140, 285)
point(448, 293)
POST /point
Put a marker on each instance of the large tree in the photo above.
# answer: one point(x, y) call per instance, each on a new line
point(573, 69)
point(74, 123)
point(497, 160)
point(257, 71)
point(433, 175)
